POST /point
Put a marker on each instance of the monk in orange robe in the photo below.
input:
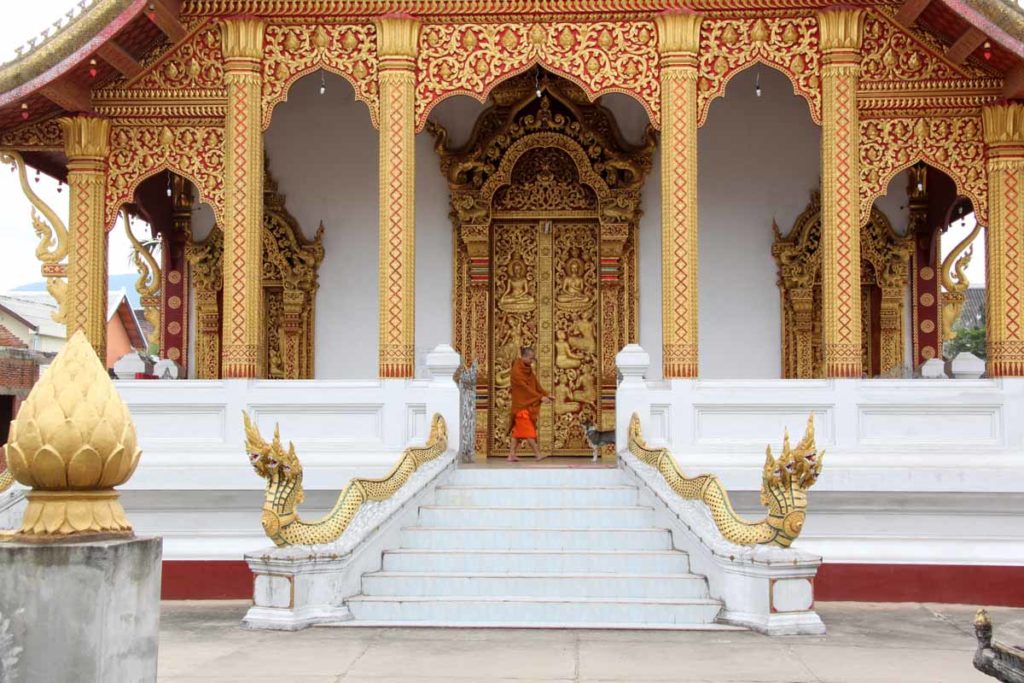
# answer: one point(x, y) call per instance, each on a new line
point(527, 396)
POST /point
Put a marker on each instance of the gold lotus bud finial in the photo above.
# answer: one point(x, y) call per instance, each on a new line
point(73, 442)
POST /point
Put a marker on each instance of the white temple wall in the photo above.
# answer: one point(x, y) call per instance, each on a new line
point(758, 160)
point(323, 153)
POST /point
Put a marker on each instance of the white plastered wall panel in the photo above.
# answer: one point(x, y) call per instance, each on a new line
point(759, 158)
point(323, 153)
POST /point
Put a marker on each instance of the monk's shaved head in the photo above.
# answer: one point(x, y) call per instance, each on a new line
point(526, 352)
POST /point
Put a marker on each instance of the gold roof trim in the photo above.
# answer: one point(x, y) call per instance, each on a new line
point(61, 45)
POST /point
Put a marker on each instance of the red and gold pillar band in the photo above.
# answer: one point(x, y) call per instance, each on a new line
point(174, 271)
point(840, 175)
point(397, 42)
point(243, 200)
point(679, 38)
point(1004, 135)
point(86, 143)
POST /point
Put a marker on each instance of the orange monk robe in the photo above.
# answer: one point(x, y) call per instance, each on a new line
point(527, 393)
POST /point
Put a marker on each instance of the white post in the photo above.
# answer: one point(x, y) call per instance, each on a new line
point(631, 395)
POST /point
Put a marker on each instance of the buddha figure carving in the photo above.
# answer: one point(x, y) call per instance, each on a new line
point(585, 338)
point(565, 357)
point(565, 402)
point(587, 392)
point(571, 294)
point(517, 297)
point(505, 353)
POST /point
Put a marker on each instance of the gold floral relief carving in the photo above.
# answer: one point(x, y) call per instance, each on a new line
point(600, 57)
point(39, 135)
point(789, 44)
point(290, 51)
point(142, 148)
point(195, 63)
point(891, 54)
point(953, 145)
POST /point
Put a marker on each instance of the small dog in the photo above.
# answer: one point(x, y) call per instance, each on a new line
point(597, 438)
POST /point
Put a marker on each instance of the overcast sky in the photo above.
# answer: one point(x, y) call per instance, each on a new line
point(18, 264)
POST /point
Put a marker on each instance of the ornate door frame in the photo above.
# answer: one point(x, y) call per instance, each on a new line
point(885, 269)
point(530, 112)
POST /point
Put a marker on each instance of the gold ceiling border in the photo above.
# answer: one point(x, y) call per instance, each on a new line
point(294, 50)
point(791, 45)
point(600, 57)
point(953, 144)
point(140, 149)
point(482, 9)
point(38, 136)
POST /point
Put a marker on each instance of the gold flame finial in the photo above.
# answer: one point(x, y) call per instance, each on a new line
point(73, 442)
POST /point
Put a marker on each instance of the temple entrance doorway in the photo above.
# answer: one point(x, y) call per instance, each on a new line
point(545, 204)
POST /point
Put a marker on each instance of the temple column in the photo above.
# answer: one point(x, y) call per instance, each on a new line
point(207, 275)
point(243, 201)
point(174, 287)
point(476, 338)
point(86, 143)
point(840, 195)
point(1004, 136)
point(397, 43)
point(679, 38)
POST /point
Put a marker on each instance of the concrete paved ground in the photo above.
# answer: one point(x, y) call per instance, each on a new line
point(909, 643)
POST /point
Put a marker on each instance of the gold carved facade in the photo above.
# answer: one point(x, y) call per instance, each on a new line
point(291, 264)
point(545, 204)
point(885, 266)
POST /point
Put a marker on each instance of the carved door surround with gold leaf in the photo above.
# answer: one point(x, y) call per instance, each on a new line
point(885, 268)
point(291, 265)
point(545, 206)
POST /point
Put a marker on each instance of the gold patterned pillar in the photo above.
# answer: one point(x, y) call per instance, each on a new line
point(86, 143)
point(679, 38)
point(397, 40)
point(1004, 289)
point(840, 175)
point(206, 265)
point(243, 201)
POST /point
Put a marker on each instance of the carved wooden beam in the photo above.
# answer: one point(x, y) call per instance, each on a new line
point(970, 41)
point(1013, 87)
point(119, 58)
point(910, 11)
point(164, 13)
point(68, 95)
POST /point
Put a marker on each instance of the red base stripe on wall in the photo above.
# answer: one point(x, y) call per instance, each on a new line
point(206, 580)
point(973, 585)
point(965, 584)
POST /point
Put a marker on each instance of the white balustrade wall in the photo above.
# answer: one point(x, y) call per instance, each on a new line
point(915, 471)
point(194, 484)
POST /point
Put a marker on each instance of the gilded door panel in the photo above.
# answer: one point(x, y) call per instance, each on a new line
point(514, 315)
point(575, 322)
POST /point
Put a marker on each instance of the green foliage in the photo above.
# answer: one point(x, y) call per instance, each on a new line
point(970, 339)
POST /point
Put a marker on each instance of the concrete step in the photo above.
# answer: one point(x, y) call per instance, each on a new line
point(523, 611)
point(551, 585)
point(513, 561)
point(479, 538)
point(537, 496)
point(539, 476)
point(537, 517)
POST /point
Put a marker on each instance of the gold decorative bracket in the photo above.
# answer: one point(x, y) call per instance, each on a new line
point(955, 282)
point(52, 250)
point(150, 278)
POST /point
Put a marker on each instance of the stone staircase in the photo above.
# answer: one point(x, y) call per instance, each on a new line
point(536, 548)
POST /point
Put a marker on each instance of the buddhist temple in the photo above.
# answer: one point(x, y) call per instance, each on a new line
point(708, 219)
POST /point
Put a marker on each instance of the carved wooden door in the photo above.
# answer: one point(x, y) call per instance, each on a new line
point(545, 294)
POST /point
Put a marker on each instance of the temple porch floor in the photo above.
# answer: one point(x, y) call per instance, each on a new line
point(908, 642)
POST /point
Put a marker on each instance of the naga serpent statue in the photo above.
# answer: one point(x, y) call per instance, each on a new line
point(783, 489)
point(283, 472)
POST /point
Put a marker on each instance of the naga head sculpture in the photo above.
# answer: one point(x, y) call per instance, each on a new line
point(283, 472)
point(785, 482)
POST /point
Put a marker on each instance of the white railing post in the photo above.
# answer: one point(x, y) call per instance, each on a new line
point(631, 395)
